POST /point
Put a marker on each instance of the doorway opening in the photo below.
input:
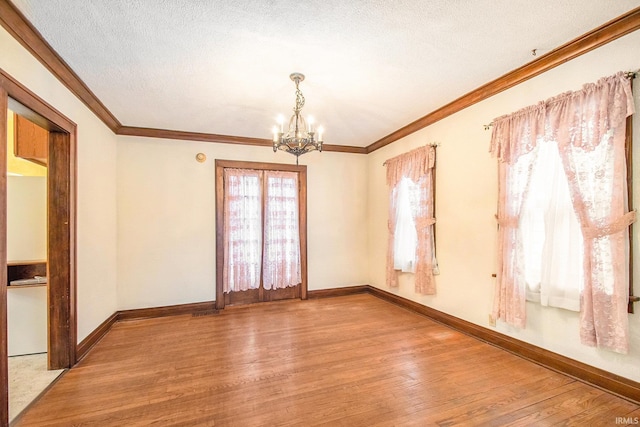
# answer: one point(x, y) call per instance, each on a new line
point(27, 292)
point(61, 227)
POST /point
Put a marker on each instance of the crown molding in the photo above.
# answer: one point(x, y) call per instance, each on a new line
point(344, 149)
point(21, 29)
point(26, 34)
point(594, 39)
point(221, 139)
point(191, 136)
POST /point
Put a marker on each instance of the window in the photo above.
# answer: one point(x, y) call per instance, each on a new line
point(411, 218)
point(562, 206)
point(407, 194)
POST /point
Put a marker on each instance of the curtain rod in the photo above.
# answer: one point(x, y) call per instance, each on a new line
point(628, 74)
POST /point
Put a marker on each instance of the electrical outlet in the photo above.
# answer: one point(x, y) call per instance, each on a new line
point(492, 321)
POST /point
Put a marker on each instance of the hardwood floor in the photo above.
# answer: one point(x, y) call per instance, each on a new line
point(353, 361)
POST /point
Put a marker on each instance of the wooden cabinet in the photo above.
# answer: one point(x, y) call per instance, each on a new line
point(31, 142)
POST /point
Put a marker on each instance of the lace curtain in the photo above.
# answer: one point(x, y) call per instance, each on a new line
point(251, 250)
point(588, 127)
point(242, 229)
point(411, 218)
point(281, 265)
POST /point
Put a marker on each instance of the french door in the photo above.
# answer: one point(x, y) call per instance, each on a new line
point(261, 232)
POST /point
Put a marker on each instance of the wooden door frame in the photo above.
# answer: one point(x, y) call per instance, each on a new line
point(302, 215)
point(61, 224)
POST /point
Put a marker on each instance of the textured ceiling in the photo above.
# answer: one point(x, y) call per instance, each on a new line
point(371, 66)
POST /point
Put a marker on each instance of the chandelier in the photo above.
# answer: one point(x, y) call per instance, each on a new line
point(300, 136)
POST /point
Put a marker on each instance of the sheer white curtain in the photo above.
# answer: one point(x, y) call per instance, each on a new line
point(282, 235)
point(405, 235)
point(552, 245)
point(242, 229)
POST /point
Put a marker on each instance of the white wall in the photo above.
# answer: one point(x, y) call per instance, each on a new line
point(96, 221)
point(26, 218)
point(26, 320)
point(166, 218)
point(466, 203)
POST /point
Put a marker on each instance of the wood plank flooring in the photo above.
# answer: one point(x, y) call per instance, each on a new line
point(345, 361)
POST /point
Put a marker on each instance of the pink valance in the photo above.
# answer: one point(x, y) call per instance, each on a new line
point(604, 105)
point(412, 164)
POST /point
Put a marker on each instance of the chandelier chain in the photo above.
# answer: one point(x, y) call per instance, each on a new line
point(299, 100)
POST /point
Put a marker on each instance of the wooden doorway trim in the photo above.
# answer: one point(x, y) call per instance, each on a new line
point(61, 213)
point(302, 215)
point(4, 350)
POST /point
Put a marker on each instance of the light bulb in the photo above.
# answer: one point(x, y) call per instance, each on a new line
point(281, 123)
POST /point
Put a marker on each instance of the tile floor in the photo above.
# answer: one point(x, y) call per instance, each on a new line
point(28, 377)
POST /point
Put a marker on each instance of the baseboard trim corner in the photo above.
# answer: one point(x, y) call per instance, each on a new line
point(136, 314)
point(96, 335)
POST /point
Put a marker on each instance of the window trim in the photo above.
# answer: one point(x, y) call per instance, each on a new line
point(629, 160)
